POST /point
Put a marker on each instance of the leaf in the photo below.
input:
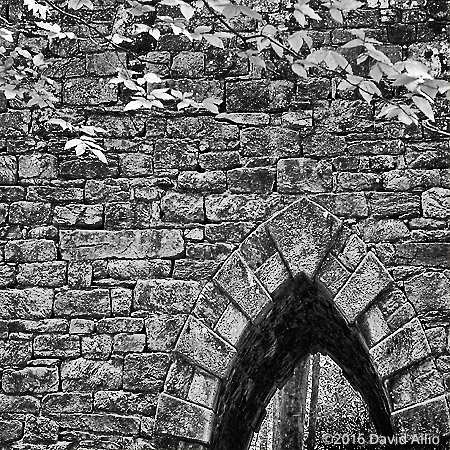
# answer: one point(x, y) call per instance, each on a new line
point(214, 40)
point(296, 41)
point(306, 10)
point(78, 4)
point(99, 154)
point(299, 70)
point(161, 94)
point(353, 43)
point(376, 73)
point(138, 9)
point(24, 53)
point(72, 143)
point(38, 60)
point(424, 106)
point(62, 123)
point(133, 105)
point(187, 10)
point(300, 17)
point(277, 49)
point(379, 56)
point(37, 9)
point(231, 10)
point(257, 61)
point(403, 80)
point(336, 15)
point(358, 33)
point(6, 35)
point(211, 104)
point(250, 13)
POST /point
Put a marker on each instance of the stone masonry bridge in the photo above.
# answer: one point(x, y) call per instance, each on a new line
point(158, 301)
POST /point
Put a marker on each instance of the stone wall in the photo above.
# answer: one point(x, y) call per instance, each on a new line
point(157, 301)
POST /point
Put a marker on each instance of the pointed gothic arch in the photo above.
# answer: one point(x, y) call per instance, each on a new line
point(300, 281)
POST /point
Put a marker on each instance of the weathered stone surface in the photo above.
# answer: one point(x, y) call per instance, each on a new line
point(333, 274)
point(15, 353)
point(19, 404)
point(399, 180)
point(202, 346)
point(109, 190)
point(120, 325)
point(79, 274)
point(301, 175)
point(33, 303)
point(29, 213)
point(131, 270)
point(142, 372)
point(31, 380)
point(237, 279)
point(191, 421)
point(429, 418)
point(352, 205)
point(81, 216)
point(56, 194)
point(123, 402)
point(275, 142)
point(382, 230)
point(40, 429)
point(258, 180)
point(56, 346)
point(121, 300)
point(30, 250)
point(212, 182)
point(231, 324)
point(38, 165)
point(436, 203)
point(67, 402)
point(365, 284)
point(324, 144)
point(273, 273)
point(402, 348)
point(188, 64)
point(44, 274)
point(128, 244)
point(8, 171)
point(211, 304)
point(101, 423)
point(423, 254)
point(10, 430)
point(175, 153)
point(38, 326)
point(303, 233)
point(129, 343)
point(163, 330)
point(105, 63)
point(429, 292)
point(74, 303)
point(88, 375)
point(182, 207)
point(89, 91)
point(239, 207)
point(97, 346)
point(135, 165)
point(203, 389)
point(219, 160)
point(415, 385)
point(373, 326)
point(167, 296)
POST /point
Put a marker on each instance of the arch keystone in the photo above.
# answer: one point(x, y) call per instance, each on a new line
point(304, 232)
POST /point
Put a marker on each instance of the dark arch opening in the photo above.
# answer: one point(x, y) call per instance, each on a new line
point(302, 321)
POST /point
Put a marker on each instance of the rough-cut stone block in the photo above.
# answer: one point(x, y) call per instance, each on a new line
point(126, 402)
point(258, 180)
point(129, 244)
point(29, 213)
point(373, 326)
point(178, 207)
point(31, 380)
point(210, 305)
point(303, 233)
point(46, 326)
point(56, 194)
point(129, 343)
point(120, 325)
point(273, 273)
point(342, 204)
point(166, 296)
point(10, 430)
point(300, 175)
point(175, 154)
point(81, 216)
point(257, 248)
point(40, 430)
point(436, 203)
point(131, 270)
point(44, 274)
point(353, 252)
point(178, 417)
point(429, 292)
point(18, 404)
point(30, 250)
point(402, 348)
point(205, 348)
point(382, 230)
point(212, 182)
point(73, 303)
point(270, 142)
point(33, 303)
point(163, 330)
point(89, 91)
point(67, 402)
point(121, 300)
point(333, 274)
point(231, 324)
point(141, 372)
point(100, 423)
point(8, 169)
point(394, 204)
point(417, 384)
point(431, 418)
point(56, 346)
point(433, 254)
point(203, 389)
point(241, 284)
point(38, 165)
point(365, 284)
point(88, 375)
point(79, 274)
point(15, 353)
point(188, 64)
point(105, 63)
point(98, 346)
point(324, 144)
